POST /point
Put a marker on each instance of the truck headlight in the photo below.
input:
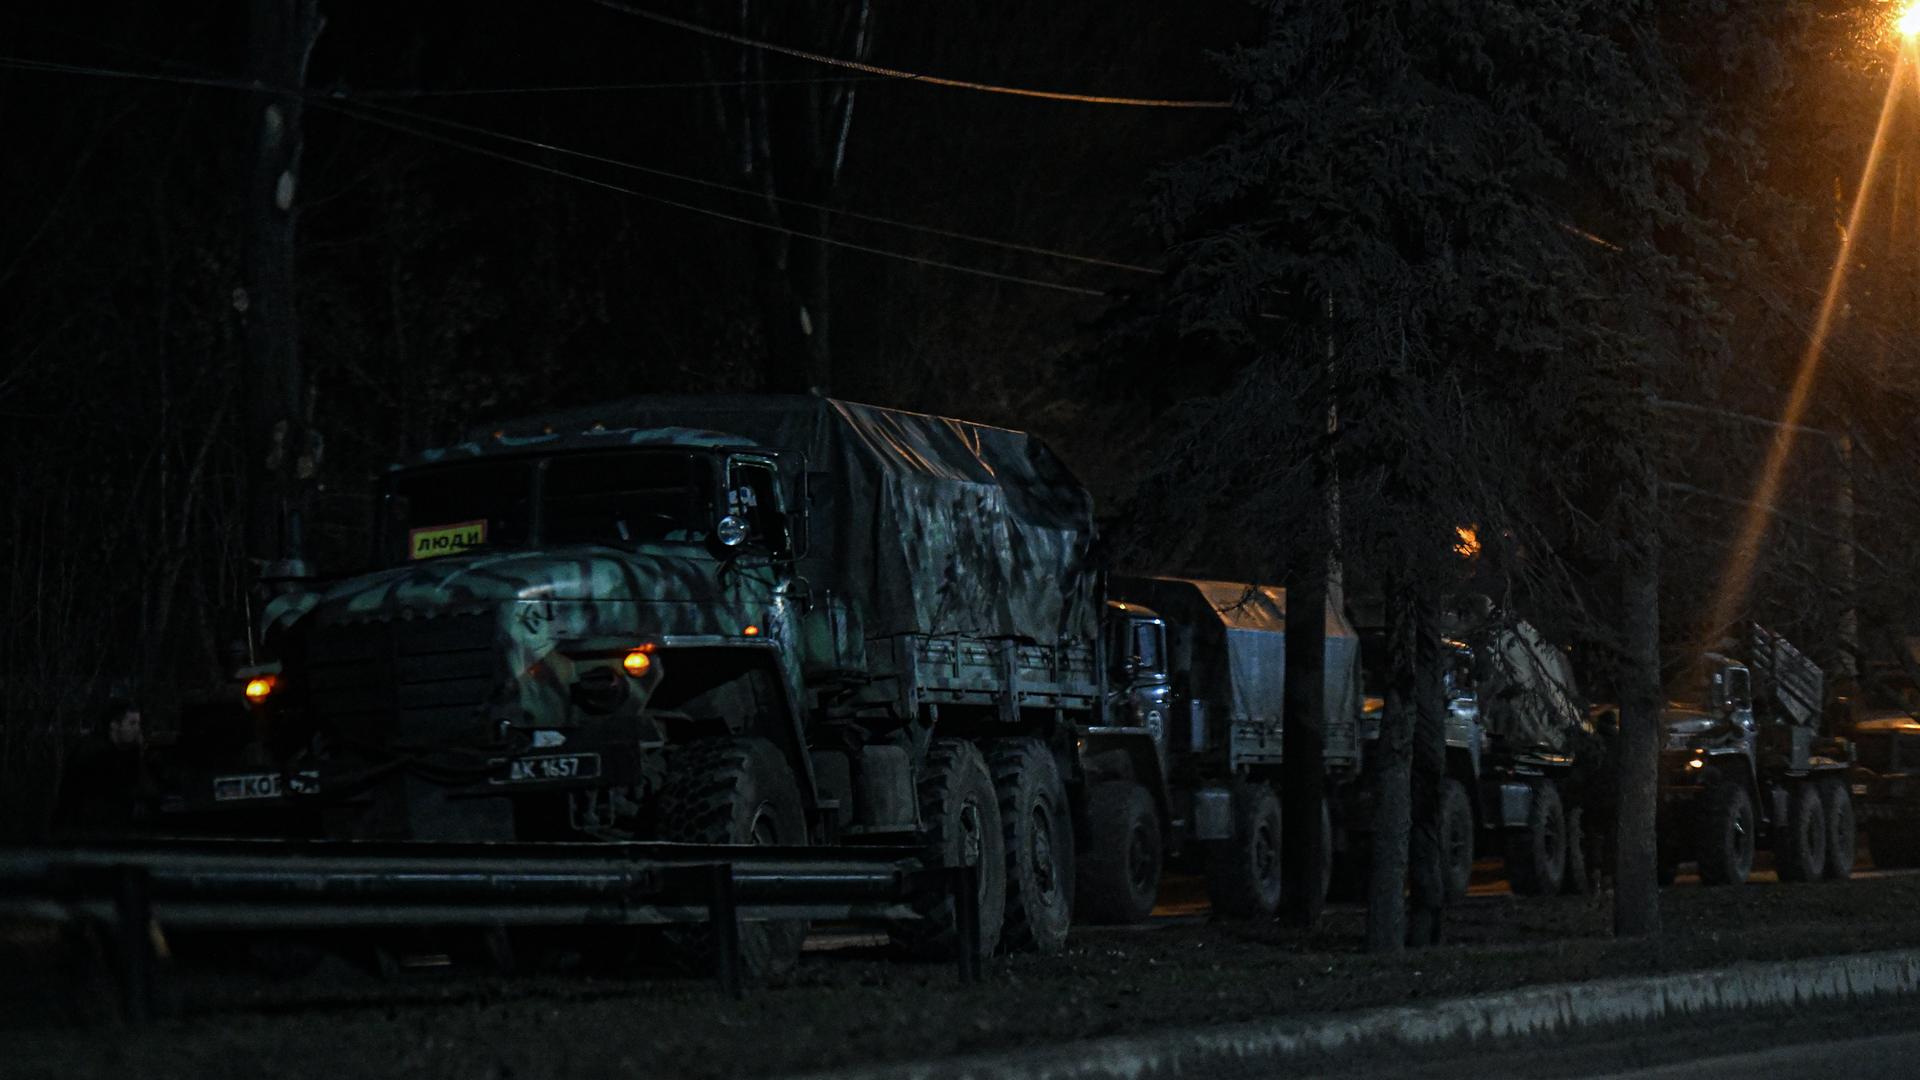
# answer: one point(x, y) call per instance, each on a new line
point(260, 688)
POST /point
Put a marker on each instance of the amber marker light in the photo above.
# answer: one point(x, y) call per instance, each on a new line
point(639, 661)
point(750, 630)
point(259, 689)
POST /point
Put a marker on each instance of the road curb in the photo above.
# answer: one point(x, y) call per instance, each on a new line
point(1529, 1011)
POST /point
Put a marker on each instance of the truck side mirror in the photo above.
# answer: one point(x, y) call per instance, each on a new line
point(1739, 689)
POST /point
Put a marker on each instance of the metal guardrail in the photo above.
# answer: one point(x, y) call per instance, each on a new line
point(252, 885)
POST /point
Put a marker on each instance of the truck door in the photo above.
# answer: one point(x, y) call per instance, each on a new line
point(753, 502)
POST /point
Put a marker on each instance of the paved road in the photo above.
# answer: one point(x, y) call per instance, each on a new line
point(1832, 1043)
point(1868, 1056)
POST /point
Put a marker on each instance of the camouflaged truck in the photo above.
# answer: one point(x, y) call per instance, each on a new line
point(754, 620)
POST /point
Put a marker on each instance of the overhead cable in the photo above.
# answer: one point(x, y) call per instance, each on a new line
point(339, 103)
point(368, 116)
point(906, 76)
point(856, 215)
point(597, 88)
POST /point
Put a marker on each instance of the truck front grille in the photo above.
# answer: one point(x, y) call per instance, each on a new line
point(414, 684)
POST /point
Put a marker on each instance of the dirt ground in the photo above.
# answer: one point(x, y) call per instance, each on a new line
point(851, 1004)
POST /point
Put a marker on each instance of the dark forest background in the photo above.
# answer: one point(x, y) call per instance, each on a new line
point(463, 254)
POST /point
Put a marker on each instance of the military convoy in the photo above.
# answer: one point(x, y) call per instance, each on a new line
point(1746, 763)
point(801, 621)
point(1189, 762)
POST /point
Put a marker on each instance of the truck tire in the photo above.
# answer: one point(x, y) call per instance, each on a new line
point(1724, 846)
point(1322, 871)
point(1579, 878)
point(1800, 853)
point(961, 814)
point(1118, 881)
point(734, 791)
point(1036, 827)
point(1843, 836)
point(1243, 872)
point(1456, 837)
point(1537, 853)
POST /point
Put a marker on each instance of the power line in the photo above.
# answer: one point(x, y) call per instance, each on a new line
point(907, 76)
point(596, 88)
point(374, 118)
point(856, 215)
point(339, 103)
point(50, 67)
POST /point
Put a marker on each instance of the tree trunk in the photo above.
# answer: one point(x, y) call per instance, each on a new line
point(1303, 744)
point(791, 146)
point(283, 33)
point(1426, 857)
point(1636, 897)
point(1392, 807)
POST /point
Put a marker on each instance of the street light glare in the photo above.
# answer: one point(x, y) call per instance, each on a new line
point(1908, 21)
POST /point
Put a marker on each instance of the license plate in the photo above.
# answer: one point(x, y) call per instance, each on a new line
point(246, 786)
point(552, 767)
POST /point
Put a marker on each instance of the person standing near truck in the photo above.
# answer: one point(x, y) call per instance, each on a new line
point(104, 767)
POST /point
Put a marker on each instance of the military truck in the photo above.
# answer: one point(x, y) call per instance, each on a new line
point(1188, 761)
point(1527, 783)
point(1745, 763)
point(779, 620)
point(1883, 725)
point(1520, 754)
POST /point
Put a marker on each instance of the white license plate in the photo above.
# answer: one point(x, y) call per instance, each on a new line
point(246, 786)
point(553, 767)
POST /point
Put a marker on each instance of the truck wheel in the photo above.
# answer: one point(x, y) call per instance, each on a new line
point(1243, 872)
point(961, 814)
point(1537, 853)
point(1323, 870)
point(1119, 879)
point(1456, 837)
point(1037, 831)
point(1801, 853)
point(1579, 878)
point(1842, 833)
point(1724, 849)
point(734, 791)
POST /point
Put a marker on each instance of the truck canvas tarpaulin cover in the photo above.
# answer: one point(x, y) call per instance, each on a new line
point(1240, 655)
point(1527, 694)
point(927, 525)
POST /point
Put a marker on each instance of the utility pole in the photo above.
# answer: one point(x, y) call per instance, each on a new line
point(281, 455)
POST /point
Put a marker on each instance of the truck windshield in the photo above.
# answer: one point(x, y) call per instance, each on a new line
point(631, 497)
point(635, 497)
point(450, 509)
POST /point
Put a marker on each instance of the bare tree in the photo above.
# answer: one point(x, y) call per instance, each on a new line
point(788, 122)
